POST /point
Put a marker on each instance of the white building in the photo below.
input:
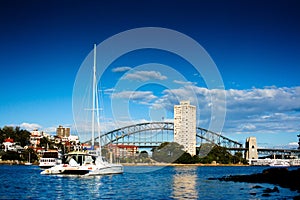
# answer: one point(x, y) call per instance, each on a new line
point(35, 138)
point(185, 126)
point(10, 145)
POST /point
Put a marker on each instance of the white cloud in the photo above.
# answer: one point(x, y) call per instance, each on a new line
point(51, 129)
point(247, 127)
point(109, 91)
point(144, 76)
point(30, 126)
point(135, 95)
point(293, 144)
point(263, 101)
point(184, 82)
point(121, 69)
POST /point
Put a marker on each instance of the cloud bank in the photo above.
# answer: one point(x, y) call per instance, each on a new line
point(255, 110)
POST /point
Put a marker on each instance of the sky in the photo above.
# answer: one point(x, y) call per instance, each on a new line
point(255, 46)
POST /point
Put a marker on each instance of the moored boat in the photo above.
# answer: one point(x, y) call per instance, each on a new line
point(87, 163)
point(28, 163)
point(84, 163)
point(49, 159)
point(279, 163)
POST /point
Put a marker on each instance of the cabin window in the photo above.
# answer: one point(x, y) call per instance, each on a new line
point(80, 160)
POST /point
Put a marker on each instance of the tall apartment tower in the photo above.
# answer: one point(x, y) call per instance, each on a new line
point(185, 126)
point(62, 132)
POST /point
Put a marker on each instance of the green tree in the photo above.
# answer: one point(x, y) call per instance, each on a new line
point(221, 155)
point(238, 158)
point(171, 152)
point(19, 135)
point(204, 149)
point(33, 155)
point(143, 154)
point(8, 132)
point(11, 155)
point(22, 136)
point(167, 152)
point(45, 142)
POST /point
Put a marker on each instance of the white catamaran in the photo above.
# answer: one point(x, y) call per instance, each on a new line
point(87, 163)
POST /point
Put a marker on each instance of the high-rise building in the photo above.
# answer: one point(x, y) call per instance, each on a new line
point(185, 126)
point(62, 132)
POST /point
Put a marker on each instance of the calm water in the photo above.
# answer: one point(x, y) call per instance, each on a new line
point(25, 182)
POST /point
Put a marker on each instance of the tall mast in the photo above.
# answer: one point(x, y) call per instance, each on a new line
point(98, 120)
point(94, 99)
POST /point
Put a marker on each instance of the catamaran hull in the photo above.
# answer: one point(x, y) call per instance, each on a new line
point(107, 171)
point(87, 171)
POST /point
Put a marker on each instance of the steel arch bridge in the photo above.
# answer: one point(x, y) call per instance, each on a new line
point(152, 134)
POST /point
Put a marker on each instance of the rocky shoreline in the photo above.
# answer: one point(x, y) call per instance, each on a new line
point(11, 162)
point(278, 176)
point(15, 162)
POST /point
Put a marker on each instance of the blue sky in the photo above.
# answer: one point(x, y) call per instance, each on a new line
point(254, 44)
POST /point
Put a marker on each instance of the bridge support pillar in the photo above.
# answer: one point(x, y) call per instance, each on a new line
point(251, 145)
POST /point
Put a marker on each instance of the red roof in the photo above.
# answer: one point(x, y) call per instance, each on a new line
point(9, 140)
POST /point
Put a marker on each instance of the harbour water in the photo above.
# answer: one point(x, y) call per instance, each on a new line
point(137, 182)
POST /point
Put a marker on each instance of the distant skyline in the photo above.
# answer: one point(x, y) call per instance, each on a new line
point(254, 44)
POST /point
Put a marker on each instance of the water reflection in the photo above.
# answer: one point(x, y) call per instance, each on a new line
point(184, 183)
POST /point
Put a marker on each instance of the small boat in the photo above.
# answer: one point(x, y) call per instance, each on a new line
point(50, 158)
point(28, 163)
point(279, 163)
point(84, 163)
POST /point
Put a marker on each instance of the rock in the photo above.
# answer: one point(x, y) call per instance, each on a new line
point(296, 198)
point(266, 195)
point(279, 176)
point(257, 186)
point(275, 189)
point(268, 190)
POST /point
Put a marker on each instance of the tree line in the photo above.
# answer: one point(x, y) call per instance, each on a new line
point(16, 133)
point(21, 137)
point(171, 152)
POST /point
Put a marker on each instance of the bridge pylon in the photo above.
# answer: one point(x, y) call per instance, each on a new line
point(251, 146)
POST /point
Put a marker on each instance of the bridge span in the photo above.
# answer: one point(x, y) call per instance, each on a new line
point(152, 134)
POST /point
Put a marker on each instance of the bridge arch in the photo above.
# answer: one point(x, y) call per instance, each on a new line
point(151, 134)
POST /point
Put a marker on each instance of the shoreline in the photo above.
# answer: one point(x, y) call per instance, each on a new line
point(15, 162)
point(184, 165)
